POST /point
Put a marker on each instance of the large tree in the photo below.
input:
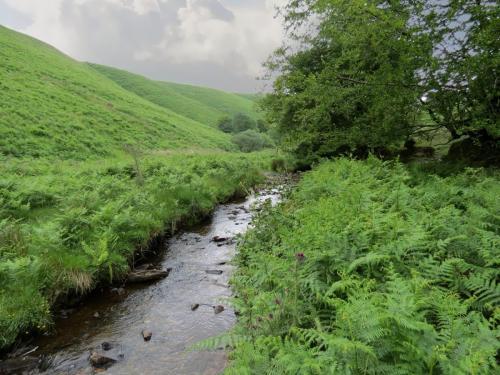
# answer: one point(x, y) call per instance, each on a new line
point(359, 74)
point(462, 80)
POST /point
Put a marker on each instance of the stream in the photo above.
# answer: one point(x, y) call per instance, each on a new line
point(167, 308)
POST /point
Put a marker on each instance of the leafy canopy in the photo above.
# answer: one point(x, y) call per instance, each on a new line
point(360, 73)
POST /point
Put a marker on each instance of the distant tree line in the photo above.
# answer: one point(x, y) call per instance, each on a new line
point(249, 134)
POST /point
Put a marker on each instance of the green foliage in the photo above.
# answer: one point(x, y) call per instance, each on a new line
point(462, 77)
point(201, 104)
point(53, 106)
point(372, 268)
point(351, 84)
point(250, 140)
point(359, 75)
point(242, 122)
point(225, 124)
point(92, 218)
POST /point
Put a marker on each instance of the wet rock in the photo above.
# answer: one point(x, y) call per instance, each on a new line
point(64, 313)
point(195, 306)
point(100, 360)
point(144, 276)
point(119, 291)
point(18, 365)
point(146, 335)
point(96, 315)
point(214, 272)
point(23, 351)
point(106, 346)
point(218, 309)
point(219, 239)
point(146, 266)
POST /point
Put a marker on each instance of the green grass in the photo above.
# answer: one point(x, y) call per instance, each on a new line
point(65, 226)
point(372, 268)
point(200, 104)
point(90, 172)
point(54, 106)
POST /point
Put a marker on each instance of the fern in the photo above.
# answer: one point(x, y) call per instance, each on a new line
point(397, 275)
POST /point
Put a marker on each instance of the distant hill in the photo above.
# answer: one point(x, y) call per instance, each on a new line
point(53, 106)
point(201, 104)
point(251, 97)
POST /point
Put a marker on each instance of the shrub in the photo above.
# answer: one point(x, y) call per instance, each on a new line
point(243, 122)
point(225, 124)
point(250, 140)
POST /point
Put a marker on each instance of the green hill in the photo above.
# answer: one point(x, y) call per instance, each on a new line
point(201, 104)
point(74, 205)
point(54, 106)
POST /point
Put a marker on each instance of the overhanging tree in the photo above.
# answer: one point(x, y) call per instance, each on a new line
point(357, 75)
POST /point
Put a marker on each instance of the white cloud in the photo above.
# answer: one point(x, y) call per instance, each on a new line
point(45, 16)
point(202, 35)
point(220, 43)
point(141, 7)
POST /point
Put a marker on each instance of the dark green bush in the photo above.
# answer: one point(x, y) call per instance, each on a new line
point(250, 140)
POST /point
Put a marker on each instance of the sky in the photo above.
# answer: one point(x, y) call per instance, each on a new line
point(214, 43)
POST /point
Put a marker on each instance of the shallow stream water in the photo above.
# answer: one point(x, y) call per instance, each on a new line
point(119, 316)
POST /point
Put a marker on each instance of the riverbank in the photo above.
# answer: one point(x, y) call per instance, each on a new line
point(67, 226)
point(178, 311)
point(371, 267)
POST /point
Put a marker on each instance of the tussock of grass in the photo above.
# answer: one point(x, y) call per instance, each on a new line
point(371, 269)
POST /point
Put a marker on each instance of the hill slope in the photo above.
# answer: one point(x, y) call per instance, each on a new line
point(201, 104)
point(52, 105)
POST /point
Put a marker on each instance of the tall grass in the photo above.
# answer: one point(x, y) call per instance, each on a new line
point(66, 226)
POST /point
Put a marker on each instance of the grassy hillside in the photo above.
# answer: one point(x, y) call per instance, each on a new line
point(201, 104)
point(73, 205)
point(54, 106)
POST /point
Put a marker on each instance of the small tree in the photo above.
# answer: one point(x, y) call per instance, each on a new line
point(262, 126)
point(242, 122)
point(136, 155)
point(250, 140)
point(225, 124)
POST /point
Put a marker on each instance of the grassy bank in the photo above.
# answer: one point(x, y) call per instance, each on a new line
point(65, 226)
point(372, 268)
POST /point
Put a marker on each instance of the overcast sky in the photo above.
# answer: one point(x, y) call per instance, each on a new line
point(216, 43)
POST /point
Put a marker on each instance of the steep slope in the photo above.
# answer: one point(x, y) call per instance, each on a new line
point(52, 105)
point(201, 104)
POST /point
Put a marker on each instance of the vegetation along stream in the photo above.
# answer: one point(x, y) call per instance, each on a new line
point(149, 328)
